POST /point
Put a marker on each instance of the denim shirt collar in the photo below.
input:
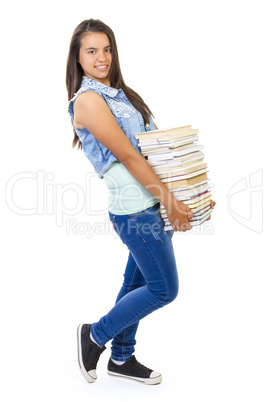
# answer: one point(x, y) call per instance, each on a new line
point(90, 83)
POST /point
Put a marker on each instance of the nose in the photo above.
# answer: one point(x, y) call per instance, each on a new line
point(102, 56)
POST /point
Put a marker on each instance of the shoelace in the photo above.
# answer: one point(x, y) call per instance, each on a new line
point(139, 366)
point(93, 354)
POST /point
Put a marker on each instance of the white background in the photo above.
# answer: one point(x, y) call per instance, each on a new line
point(202, 63)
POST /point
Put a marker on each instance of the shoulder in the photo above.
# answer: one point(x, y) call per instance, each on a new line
point(88, 105)
point(85, 88)
point(88, 97)
point(89, 101)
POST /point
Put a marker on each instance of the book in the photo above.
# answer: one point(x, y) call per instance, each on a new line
point(184, 150)
point(181, 171)
point(178, 160)
point(157, 142)
point(188, 192)
point(155, 146)
point(171, 185)
point(166, 134)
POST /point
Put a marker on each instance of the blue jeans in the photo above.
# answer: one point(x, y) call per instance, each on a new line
point(150, 279)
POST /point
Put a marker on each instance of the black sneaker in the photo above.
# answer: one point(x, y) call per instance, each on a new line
point(133, 370)
point(88, 353)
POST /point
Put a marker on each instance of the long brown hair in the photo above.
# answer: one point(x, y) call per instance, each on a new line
point(74, 71)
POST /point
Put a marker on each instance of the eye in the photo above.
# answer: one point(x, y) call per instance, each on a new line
point(109, 50)
point(91, 52)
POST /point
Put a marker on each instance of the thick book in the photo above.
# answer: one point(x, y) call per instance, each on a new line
point(168, 133)
point(155, 145)
point(184, 150)
point(166, 149)
point(178, 161)
point(185, 182)
point(188, 192)
point(181, 171)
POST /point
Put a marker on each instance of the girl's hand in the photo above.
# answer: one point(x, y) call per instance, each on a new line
point(212, 205)
point(179, 216)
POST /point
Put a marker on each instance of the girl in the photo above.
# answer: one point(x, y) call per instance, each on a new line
point(106, 115)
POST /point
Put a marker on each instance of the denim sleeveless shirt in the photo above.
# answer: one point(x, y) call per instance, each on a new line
point(129, 119)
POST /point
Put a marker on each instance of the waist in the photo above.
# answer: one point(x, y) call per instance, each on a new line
point(126, 194)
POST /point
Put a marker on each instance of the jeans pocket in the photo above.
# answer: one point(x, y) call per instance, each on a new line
point(143, 226)
point(116, 227)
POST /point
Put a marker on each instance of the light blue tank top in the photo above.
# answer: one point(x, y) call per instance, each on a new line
point(126, 194)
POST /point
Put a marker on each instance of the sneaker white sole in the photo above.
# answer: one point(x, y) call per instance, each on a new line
point(156, 379)
point(90, 376)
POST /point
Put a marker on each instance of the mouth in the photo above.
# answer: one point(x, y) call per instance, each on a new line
point(102, 68)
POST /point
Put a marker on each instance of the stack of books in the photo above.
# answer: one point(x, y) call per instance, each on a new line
point(177, 159)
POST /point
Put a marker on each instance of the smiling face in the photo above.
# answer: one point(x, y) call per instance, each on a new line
point(95, 56)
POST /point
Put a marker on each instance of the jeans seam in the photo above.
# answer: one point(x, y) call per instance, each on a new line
point(163, 277)
point(114, 222)
point(133, 221)
point(141, 311)
point(160, 270)
point(132, 280)
point(125, 330)
point(94, 335)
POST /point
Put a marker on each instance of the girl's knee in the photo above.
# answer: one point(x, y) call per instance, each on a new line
point(172, 293)
point(166, 290)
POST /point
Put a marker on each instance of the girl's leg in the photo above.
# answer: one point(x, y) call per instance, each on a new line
point(151, 247)
point(123, 344)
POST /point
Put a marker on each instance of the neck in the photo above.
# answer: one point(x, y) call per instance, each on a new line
point(104, 81)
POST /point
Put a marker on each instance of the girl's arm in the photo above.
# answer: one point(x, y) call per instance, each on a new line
point(91, 112)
